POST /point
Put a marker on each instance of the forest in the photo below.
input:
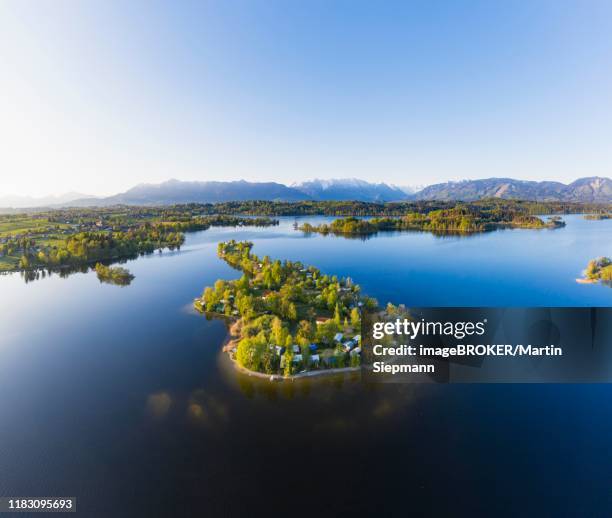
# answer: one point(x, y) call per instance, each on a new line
point(361, 208)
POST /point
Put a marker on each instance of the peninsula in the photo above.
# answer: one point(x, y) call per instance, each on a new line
point(287, 318)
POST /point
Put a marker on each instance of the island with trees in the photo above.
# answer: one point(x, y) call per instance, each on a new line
point(460, 219)
point(597, 217)
point(286, 318)
point(113, 274)
point(598, 270)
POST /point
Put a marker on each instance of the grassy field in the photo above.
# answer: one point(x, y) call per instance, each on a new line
point(12, 226)
point(52, 240)
point(8, 263)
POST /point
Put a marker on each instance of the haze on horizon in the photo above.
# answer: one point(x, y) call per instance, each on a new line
point(97, 96)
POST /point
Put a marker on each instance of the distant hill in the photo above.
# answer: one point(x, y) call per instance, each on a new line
point(350, 189)
point(175, 191)
point(19, 202)
point(593, 189)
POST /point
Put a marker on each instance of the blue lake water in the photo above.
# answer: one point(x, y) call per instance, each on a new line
point(120, 396)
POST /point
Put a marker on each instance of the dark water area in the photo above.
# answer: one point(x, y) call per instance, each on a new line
point(120, 395)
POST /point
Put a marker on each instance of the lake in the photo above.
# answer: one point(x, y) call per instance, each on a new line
point(121, 397)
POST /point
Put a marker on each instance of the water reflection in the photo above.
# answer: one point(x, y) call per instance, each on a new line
point(207, 410)
point(158, 405)
point(62, 272)
point(66, 271)
point(439, 234)
point(132, 384)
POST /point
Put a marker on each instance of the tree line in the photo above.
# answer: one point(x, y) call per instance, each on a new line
point(461, 219)
point(107, 236)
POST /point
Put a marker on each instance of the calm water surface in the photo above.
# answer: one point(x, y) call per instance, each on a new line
point(120, 397)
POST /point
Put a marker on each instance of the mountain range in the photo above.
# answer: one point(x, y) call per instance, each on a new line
point(592, 189)
point(175, 191)
point(350, 189)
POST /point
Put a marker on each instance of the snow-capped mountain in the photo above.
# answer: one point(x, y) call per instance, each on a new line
point(350, 189)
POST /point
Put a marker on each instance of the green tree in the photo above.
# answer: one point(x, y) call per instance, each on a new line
point(210, 299)
point(24, 262)
point(305, 332)
point(279, 332)
point(292, 311)
point(337, 316)
point(355, 318)
point(288, 368)
point(277, 273)
point(305, 356)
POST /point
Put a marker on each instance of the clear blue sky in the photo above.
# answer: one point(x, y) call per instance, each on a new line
point(99, 96)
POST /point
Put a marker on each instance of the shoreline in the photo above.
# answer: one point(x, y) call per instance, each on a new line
point(586, 281)
point(299, 375)
point(231, 341)
point(489, 227)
